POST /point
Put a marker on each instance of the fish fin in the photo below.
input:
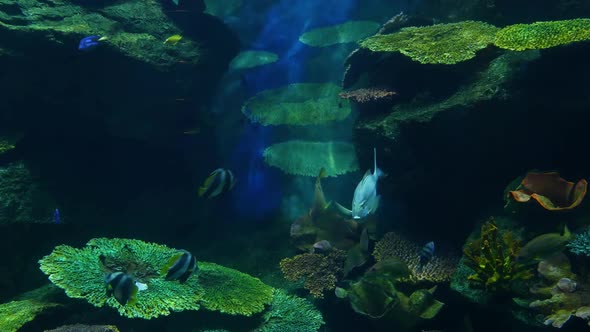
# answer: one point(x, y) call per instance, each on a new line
point(374, 203)
point(170, 263)
point(343, 210)
point(566, 232)
point(207, 183)
point(103, 38)
point(133, 297)
point(377, 173)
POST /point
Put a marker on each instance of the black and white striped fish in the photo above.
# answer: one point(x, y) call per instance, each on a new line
point(181, 266)
point(122, 287)
point(218, 182)
point(426, 254)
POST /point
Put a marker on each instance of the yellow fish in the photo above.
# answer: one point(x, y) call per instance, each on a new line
point(173, 40)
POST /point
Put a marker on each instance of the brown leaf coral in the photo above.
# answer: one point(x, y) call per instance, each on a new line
point(439, 269)
point(320, 271)
point(551, 191)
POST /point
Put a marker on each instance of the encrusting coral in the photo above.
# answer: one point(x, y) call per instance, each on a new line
point(308, 158)
point(436, 44)
point(493, 258)
point(298, 104)
point(290, 313)
point(81, 272)
point(540, 35)
point(438, 269)
point(320, 271)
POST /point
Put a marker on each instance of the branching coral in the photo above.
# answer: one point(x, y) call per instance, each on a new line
point(308, 158)
point(438, 269)
point(80, 272)
point(290, 313)
point(297, 104)
point(539, 35)
point(436, 44)
point(320, 271)
point(581, 244)
point(493, 258)
point(348, 32)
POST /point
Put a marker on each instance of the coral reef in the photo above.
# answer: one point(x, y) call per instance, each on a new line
point(80, 272)
point(437, 44)
point(487, 85)
point(378, 298)
point(290, 313)
point(366, 95)
point(251, 59)
point(580, 245)
point(232, 292)
point(308, 158)
point(348, 32)
point(562, 294)
point(493, 259)
point(297, 104)
point(23, 309)
point(540, 35)
point(439, 269)
point(21, 198)
point(549, 190)
point(320, 271)
point(85, 328)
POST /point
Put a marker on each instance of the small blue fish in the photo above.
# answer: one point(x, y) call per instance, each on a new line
point(56, 216)
point(90, 42)
point(426, 254)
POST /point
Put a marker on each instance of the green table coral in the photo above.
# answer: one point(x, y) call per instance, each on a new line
point(298, 104)
point(540, 35)
point(308, 158)
point(15, 314)
point(436, 44)
point(232, 292)
point(348, 32)
point(81, 272)
point(290, 313)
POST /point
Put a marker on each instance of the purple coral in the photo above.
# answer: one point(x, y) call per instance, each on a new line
point(438, 269)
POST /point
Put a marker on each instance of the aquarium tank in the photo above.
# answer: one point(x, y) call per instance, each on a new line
point(294, 166)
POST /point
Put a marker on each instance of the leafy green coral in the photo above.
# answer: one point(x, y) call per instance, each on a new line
point(15, 314)
point(232, 292)
point(347, 32)
point(436, 44)
point(540, 35)
point(493, 258)
point(81, 272)
point(308, 158)
point(299, 104)
point(580, 245)
point(290, 313)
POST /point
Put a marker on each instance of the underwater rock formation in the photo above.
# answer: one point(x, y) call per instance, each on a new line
point(549, 190)
point(308, 158)
point(320, 271)
point(436, 44)
point(298, 104)
point(22, 201)
point(81, 272)
point(127, 86)
point(348, 32)
point(290, 313)
point(438, 270)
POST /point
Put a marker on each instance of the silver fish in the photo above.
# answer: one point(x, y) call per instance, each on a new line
point(365, 200)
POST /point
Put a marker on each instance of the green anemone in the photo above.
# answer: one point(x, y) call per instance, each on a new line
point(436, 44)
